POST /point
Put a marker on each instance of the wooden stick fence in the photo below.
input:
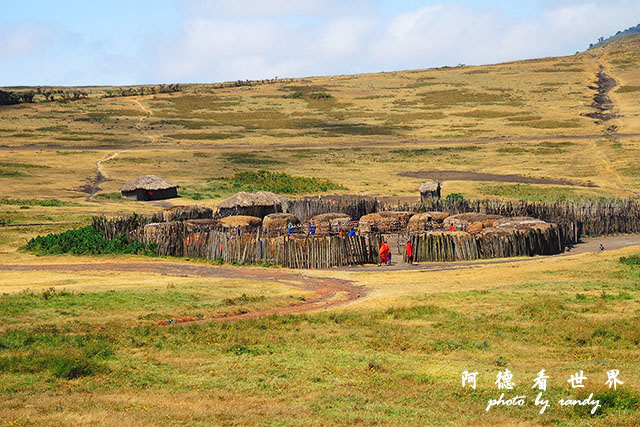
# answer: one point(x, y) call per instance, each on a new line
point(461, 246)
point(593, 217)
point(305, 208)
point(180, 239)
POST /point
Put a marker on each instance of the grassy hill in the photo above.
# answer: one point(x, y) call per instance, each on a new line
point(631, 31)
point(532, 118)
point(80, 345)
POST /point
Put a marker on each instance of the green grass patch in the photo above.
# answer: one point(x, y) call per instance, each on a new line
point(633, 260)
point(11, 174)
point(420, 152)
point(23, 165)
point(628, 89)
point(36, 202)
point(485, 114)
point(85, 241)
point(529, 192)
point(550, 124)
point(108, 196)
point(276, 182)
point(209, 136)
point(254, 158)
point(452, 97)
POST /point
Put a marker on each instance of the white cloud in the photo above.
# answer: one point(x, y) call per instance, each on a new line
point(22, 39)
point(227, 40)
point(232, 39)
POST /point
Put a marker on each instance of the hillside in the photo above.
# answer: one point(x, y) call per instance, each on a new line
point(631, 31)
point(535, 118)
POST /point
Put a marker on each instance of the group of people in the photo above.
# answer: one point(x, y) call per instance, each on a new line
point(385, 253)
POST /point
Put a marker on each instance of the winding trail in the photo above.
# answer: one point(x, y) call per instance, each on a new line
point(101, 176)
point(329, 292)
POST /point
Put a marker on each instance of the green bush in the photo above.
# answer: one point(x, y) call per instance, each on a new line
point(630, 260)
point(85, 241)
point(454, 197)
point(276, 182)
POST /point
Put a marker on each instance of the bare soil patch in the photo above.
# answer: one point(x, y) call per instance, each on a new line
point(601, 101)
point(457, 175)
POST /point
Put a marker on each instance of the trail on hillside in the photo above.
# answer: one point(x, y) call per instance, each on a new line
point(329, 292)
point(93, 186)
point(606, 111)
point(139, 127)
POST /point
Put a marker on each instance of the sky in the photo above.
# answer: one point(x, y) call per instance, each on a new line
point(127, 42)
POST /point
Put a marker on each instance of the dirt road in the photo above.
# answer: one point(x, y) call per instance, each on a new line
point(329, 292)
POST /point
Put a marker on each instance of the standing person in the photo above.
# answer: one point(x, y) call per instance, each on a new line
point(290, 228)
point(352, 233)
point(341, 233)
point(409, 253)
point(312, 228)
point(384, 253)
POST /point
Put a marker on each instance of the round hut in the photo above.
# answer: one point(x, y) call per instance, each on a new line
point(258, 204)
point(471, 222)
point(241, 222)
point(182, 213)
point(331, 223)
point(429, 191)
point(149, 187)
point(278, 223)
point(385, 222)
point(426, 221)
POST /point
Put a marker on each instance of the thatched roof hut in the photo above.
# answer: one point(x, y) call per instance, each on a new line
point(242, 222)
point(385, 222)
point(182, 213)
point(355, 206)
point(258, 204)
point(426, 221)
point(331, 222)
point(429, 191)
point(149, 187)
point(278, 223)
point(472, 222)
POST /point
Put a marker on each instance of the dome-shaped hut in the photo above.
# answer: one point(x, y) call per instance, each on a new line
point(149, 187)
point(278, 223)
point(258, 204)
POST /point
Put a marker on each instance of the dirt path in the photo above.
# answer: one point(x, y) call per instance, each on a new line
point(587, 245)
point(149, 113)
point(329, 292)
point(101, 176)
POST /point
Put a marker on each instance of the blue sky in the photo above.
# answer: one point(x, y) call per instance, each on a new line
point(68, 42)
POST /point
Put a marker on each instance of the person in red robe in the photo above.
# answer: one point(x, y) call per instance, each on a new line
point(409, 252)
point(384, 253)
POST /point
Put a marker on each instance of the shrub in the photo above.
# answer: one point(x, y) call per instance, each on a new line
point(85, 241)
point(69, 368)
point(454, 197)
point(630, 260)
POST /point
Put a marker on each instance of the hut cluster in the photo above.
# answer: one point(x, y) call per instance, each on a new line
point(329, 231)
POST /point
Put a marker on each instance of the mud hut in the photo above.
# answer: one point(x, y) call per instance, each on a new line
point(182, 213)
point(331, 223)
point(385, 222)
point(355, 206)
point(258, 204)
point(149, 187)
point(278, 223)
point(241, 222)
point(426, 221)
point(429, 191)
point(472, 222)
